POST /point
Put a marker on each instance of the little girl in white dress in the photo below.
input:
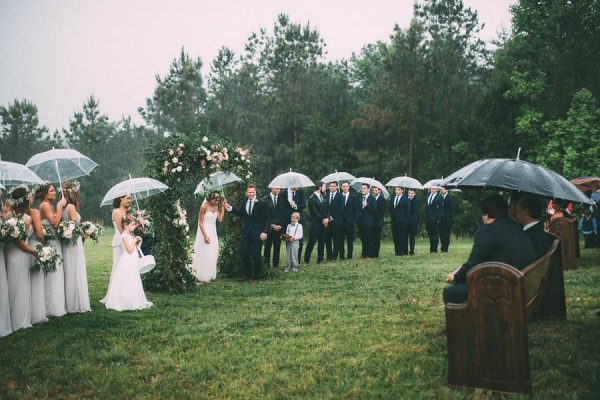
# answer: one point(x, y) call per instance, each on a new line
point(126, 291)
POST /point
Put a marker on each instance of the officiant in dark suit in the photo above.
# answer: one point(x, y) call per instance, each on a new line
point(319, 221)
point(413, 220)
point(399, 212)
point(447, 217)
point(278, 217)
point(366, 221)
point(334, 231)
point(434, 210)
point(254, 216)
point(350, 211)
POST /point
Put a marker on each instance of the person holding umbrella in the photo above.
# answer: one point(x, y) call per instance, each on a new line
point(277, 208)
point(434, 210)
point(447, 217)
point(413, 220)
point(379, 220)
point(400, 211)
point(366, 221)
point(349, 213)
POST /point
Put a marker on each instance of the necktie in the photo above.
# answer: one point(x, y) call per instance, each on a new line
point(430, 198)
point(331, 198)
point(250, 207)
point(396, 202)
point(345, 199)
point(275, 201)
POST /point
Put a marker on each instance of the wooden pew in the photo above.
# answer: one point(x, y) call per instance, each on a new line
point(563, 228)
point(487, 335)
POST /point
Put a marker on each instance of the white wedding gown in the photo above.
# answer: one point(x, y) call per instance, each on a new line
point(126, 291)
point(204, 263)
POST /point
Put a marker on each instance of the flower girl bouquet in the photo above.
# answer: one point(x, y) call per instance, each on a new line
point(93, 231)
point(68, 232)
point(47, 258)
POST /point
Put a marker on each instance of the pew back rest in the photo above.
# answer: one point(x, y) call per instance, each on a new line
point(563, 228)
point(536, 279)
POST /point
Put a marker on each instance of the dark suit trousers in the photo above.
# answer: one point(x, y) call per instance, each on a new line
point(346, 233)
point(445, 233)
point(274, 241)
point(455, 293)
point(334, 238)
point(250, 251)
point(433, 231)
point(400, 235)
point(377, 230)
point(366, 237)
point(318, 233)
point(412, 235)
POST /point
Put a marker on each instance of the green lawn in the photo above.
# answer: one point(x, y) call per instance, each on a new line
point(350, 329)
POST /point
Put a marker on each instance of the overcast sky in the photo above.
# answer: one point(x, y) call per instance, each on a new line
point(57, 53)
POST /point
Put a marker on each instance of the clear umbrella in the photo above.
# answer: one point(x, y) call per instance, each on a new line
point(338, 177)
point(405, 182)
point(434, 183)
point(515, 175)
point(12, 174)
point(140, 188)
point(59, 165)
point(291, 180)
point(357, 183)
point(216, 181)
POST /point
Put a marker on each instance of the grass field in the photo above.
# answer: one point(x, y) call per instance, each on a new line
point(353, 329)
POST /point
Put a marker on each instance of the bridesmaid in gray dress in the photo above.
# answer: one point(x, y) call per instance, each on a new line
point(76, 285)
point(38, 301)
point(54, 282)
point(5, 325)
point(18, 261)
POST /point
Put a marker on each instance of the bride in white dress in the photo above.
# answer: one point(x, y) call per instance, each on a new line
point(126, 291)
point(206, 246)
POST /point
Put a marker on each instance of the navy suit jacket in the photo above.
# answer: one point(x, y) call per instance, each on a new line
point(504, 241)
point(435, 210)
point(277, 215)
point(380, 214)
point(449, 206)
point(540, 239)
point(300, 201)
point(367, 215)
point(350, 210)
point(401, 212)
point(413, 212)
point(255, 224)
point(336, 207)
point(318, 209)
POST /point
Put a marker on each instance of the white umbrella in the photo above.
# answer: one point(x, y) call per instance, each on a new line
point(338, 177)
point(12, 174)
point(291, 180)
point(358, 182)
point(405, 182)
point(217, 180)
point(434, 183)
point(59, 165)
point(140, 188)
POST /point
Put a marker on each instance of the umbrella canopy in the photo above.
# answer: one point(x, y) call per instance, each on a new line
point(59, 165)
point(12, 174)
point(357, 183)
point(586, 182)
point(339, 177)
point(215, 181)
point(515, 175)
point(138, 187)
point(291, 180)
point(434, 183)
point(405, 182)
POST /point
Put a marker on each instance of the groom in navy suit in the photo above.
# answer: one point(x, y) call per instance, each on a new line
point(400, 213)
point(254, 231)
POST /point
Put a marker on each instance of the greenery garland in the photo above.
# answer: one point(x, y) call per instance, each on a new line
point(181, 162)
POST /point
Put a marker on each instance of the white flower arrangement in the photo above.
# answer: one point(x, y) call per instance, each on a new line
point(181, 220)
point(14, 229)
point(47, 231)
point(47, 258)
point(68, 232)
point(93, 231)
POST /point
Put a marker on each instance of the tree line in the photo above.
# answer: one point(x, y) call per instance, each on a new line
point(423, 102)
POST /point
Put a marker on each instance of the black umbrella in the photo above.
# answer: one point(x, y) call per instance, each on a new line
point(515, 175)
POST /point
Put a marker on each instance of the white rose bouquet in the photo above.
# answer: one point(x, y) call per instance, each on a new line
point(68, 232)
point(14, 229)
point(93, 231)
point(47, 258)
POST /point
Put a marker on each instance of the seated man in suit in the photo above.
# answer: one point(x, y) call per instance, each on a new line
point(528, 211)
point(366, 221)
point(498, 239)
point(278, 216)
point(399, 211)
point(254, 231)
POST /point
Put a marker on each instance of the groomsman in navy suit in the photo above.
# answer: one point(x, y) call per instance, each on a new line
point(379, 218)
point(366, 221)
point(350, 210)
point(434, 210)
point(277, 209)
point(399, 211)
point(334, 231)
point(296, 203)
point(319, 221)
point(413, 219)
point(447, 217)
point(254, 231)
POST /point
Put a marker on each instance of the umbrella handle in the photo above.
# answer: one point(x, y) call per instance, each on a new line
point(59, 179)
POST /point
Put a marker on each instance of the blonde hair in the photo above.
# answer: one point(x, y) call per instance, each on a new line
point(295, 215)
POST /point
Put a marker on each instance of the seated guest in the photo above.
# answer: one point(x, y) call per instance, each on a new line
point(498, 239)
point(528, 211)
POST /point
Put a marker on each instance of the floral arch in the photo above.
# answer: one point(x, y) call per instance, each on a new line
point(181, 162)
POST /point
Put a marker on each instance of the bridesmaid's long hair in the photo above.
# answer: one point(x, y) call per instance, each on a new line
point(42, 191)
point(22, 196)
point(71, 193)
point(117, 201)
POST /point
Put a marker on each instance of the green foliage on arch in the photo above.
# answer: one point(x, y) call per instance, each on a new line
point(181, 162)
